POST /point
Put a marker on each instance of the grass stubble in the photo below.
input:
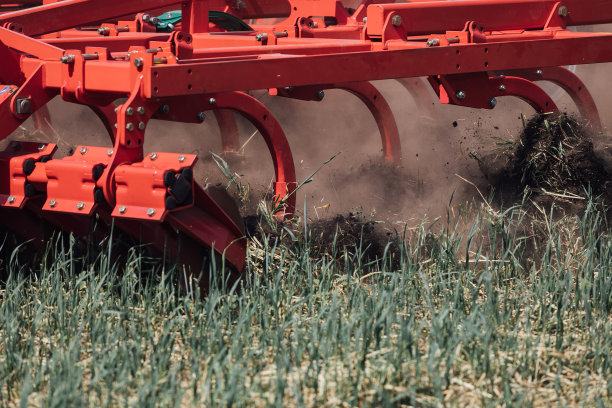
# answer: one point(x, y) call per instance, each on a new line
point(508, 307)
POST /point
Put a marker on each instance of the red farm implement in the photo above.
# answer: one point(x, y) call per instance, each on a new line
point(136, 61)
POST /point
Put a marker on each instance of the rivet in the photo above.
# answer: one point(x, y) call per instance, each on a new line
point(83, 150)
point(461, 95)
point(141, 125)
point(129, 111)
point(122, 209)
point(52, 203)
point(153, 156)
point(151, 212)
point(181, 158)
point(140, 110)
point(129, 126)
point(212, 101)
point(80, 205)
point(11, 199)
point(110, 152)
point(396, 20)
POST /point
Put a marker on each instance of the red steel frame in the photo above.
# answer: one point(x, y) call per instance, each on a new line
point(471, 51)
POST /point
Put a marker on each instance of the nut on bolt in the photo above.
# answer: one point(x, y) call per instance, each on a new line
point(23, 106)
point(140, 110)
point(141, 126)
point(67, 59)
point(129, 126)
point(396, 20)
point(129, 111)
point(138, 62)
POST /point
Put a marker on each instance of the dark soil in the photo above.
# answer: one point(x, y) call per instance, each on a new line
point(554, 157)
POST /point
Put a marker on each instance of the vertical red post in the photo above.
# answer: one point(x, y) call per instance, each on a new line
point(195, 16)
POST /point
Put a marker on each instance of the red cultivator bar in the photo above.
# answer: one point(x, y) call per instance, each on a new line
point(203, 57)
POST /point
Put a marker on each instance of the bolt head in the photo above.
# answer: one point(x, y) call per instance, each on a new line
point(151, 212)
point(181, 158)
point(201, 116)
point(83, 150)
point(502, 87)
point(493, 102)
point(165, 109)
point(320, 95)
point(153, 156)
point(122, 209)
point(212, 101)
point(129, 111)
point(52, 203)
point(110, 152)
point(539, 72)
point(461, 95)
point(434, 42)
point(41, 147)
point(11, 199)
point(140, 110)
point(138, 62)
point(365, 19)
point(67, 59)
point(563, 11)
point(396, 20)
point(80, 205)
point(141, 125)
point(129, 126)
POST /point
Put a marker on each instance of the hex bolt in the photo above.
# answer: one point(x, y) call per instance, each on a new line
point(396, 20)
point(140, 110)
point(153, 156)
point(212, 101)
point(67, 59)
point(181, 158)
point(461, 95)
point(201, 116)
point(138, 62)
point(563, 11)
point(41, 147)
point(141, 125)
point(320, 95)
point(151, 212)
point(129, 126)
point(165, 109)
point(23, 106)
point(122, 209)
point(52, 203)
point(502, 87)
point(80, 205)
point(110, 152)
point(493, 102)
point(129, 111)
point(539, 72)
point(11, 199)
